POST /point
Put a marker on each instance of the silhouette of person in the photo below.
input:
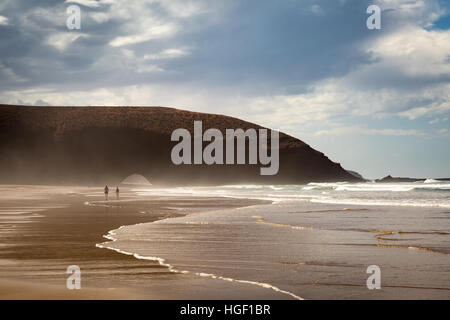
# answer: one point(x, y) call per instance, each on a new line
point(106, 192)
point(117, 192)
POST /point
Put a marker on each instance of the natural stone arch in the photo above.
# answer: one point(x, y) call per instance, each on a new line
point(136, 180)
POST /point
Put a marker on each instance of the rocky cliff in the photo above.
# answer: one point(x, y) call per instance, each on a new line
point(91, 145)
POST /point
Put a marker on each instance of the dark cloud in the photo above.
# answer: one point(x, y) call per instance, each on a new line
point(255, 45)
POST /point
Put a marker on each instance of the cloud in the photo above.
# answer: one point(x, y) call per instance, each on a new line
point(316, 9)
point(434, 121)
point(414, 52)
point(41, 103)
point(421, 13)
point(87, 3)
point(444, 132)
point(8, 73)
point(147, 20)
point(344, 131)
point(152, 33)
point(4, 21)
point(409, 76)
point(63, 39)
point(183, 8)
point(167, 54)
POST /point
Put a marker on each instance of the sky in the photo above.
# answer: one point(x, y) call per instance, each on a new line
point(376, 101)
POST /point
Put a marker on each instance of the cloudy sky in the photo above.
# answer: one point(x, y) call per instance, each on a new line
point(377, 101)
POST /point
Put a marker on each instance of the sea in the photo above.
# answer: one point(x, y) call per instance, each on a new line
point(313, 241)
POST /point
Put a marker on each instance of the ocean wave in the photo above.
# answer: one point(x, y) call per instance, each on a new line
point(383, 202)
point(441, 189)
point(427, 185)
point(173, 269)
point(417, 194)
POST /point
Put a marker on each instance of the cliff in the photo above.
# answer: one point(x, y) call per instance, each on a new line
point(91, 145)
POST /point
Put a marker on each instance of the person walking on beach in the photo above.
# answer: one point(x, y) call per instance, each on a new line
point(106, 192)
point(117, 192)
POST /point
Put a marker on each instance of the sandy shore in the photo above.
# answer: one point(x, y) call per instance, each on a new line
point(214, 247)
point(45, 231)
point(29, 290)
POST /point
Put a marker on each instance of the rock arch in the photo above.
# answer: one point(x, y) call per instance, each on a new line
point(136, 180)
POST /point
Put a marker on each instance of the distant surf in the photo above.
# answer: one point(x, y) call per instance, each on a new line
point(430, 193)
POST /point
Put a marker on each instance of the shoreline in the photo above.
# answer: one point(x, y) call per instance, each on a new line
point(171, 268)
point(342, 248)
point(35, 254)
point(208, 245)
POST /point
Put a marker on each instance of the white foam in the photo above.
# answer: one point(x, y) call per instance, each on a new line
point(171, 268)
point(364, 202)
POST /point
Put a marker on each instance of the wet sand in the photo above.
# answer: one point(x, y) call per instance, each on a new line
point(47, 231)
point(214, 247)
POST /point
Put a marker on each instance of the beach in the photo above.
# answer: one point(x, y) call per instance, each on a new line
point(46, 229)
point(229, 242)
